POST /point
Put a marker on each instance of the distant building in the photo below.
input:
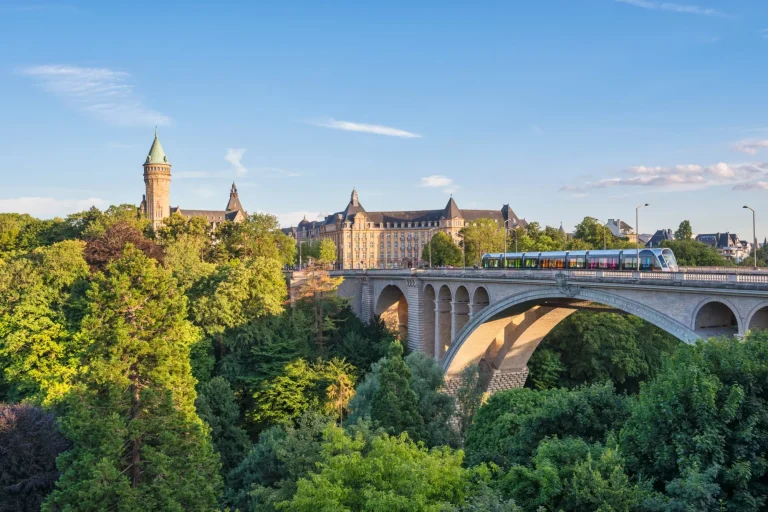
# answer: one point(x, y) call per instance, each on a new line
point(658, 238)
point(728, 245)
point(621, 229)
point(393, 239)
point(156, 203)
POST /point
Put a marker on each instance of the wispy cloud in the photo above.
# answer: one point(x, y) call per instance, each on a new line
point(47, 207)
point(741, 176)
point(757, 185)
point(436, 180)
point(764, 33)
point(365, 128)
point(673, 7)
point(750, 146)
point(439, 181)
point(235, 156)
point(101, 92)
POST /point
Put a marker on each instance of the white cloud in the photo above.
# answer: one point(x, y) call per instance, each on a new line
point(101, 92)
point(750, 146)
point(365, 128)
point(673, 7)
point(47, 207)
point(679, 177)
point(234, 156)
point(436, 180)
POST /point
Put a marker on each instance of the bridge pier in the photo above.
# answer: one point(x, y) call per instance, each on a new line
point(443, 319)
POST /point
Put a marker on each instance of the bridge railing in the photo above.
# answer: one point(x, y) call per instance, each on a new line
point(687, 276)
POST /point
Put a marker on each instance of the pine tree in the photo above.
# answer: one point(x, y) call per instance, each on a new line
point(137, 441)
point(395, 405)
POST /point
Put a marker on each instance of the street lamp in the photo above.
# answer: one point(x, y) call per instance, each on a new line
point(637, 231)
point(605, 242)
point(754, 234)
point(463, 252)
point(506, 229)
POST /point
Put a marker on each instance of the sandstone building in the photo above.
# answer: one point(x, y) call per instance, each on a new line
point(392, 239)
point(156, 203)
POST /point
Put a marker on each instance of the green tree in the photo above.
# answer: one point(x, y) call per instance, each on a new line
point(692, 253)
point(217, 407)
point(131, 415)
point(395, 405)
point(588, 348)
point(442, 250)
point(699, 430)
point(386, 473)
point(684, 231)
point(595, 234)
point(38, 350)
point(482, 236)
point(326, 252)
point(469, 395)
point(270, 472)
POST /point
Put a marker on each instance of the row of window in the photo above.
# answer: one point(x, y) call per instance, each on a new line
point(626, 262)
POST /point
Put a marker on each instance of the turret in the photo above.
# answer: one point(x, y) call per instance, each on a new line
point(157, 181)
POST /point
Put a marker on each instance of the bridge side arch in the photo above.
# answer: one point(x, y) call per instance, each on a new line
point(714, 316)
point(757, 319)
point(471, 342)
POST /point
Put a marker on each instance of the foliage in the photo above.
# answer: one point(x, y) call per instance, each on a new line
point(299, 388)
point(692, 253)
point(589, 347)
point(509, 427)
point(395, 405)
point(385, 473)
point(596, 234)
point(482, 236)
point(217, 407)
point(441, 251)
point(469, 395)
point(270, 471)
point(137, 442)
point(110, 244)
point(684, 231)
point(326, 252)
point(319, 289)
point(700, 428)
point(259, 236)
point(30, 441)
point(436, 407)
point(572, 475)
point(37, 346)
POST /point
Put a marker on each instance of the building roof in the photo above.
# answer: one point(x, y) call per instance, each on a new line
point(719, 240)
point(234, 201)
point(210, 215)
point(661, 235)
point(450, 211)
point(156, 154)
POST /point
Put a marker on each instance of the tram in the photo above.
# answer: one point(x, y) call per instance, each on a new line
point(651, 260)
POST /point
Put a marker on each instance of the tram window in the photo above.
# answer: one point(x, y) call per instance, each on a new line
point(514, 262)
point(629, 263)
point(612, 263)
point(531, 262)
point(593, 263)
point(553, 263)
point(576, 262)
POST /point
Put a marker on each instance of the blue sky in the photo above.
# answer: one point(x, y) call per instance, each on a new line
point(561, 108)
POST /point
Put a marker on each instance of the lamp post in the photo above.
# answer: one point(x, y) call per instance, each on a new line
point(506, 228)
point(754, 234)
point(463, 252)
point(605, 241)
point(637, 238)
point(299, 252)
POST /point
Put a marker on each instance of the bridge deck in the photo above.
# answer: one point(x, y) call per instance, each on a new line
point(719, 280)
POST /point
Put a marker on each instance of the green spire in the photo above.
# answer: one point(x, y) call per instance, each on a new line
point(156, 154)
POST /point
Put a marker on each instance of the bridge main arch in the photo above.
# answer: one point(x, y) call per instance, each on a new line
point(475, 340)
point(391, 306)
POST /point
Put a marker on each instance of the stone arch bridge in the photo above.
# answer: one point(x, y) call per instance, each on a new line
point(498, 318)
